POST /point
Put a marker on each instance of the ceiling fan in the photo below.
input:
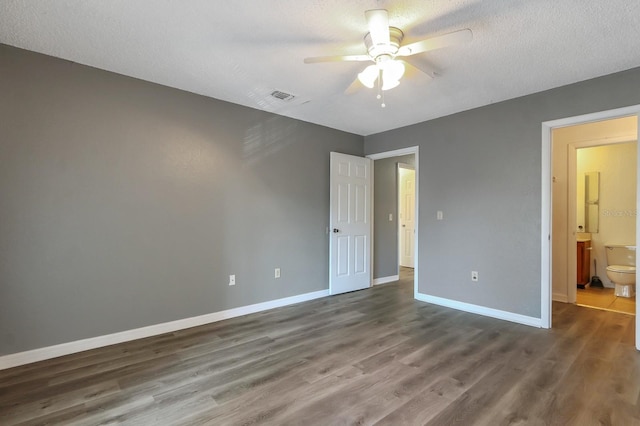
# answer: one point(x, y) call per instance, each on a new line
point(384, 46)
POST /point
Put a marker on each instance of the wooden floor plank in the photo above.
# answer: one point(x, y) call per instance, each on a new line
point(375, 356)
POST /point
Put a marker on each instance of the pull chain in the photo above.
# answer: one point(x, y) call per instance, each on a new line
point(380, 92)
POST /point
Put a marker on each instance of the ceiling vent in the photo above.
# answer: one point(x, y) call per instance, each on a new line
point(282, 95)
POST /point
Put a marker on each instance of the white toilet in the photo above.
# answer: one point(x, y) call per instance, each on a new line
point(621, 268)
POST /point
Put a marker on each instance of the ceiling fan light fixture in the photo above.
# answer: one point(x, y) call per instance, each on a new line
point(384, 43)
point(392, 70)
point(368, 76)
point(388, 84)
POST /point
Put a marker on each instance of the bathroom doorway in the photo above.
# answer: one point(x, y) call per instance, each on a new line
point(606, 212)
point(559, 236)
point(601, 176)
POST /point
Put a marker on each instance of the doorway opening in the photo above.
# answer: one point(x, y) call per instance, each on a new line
point(594, 203)
point(406, 219)
point(552, 236)
point(387, 213)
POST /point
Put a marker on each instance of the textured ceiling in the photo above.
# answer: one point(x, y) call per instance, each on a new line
point(241, 51)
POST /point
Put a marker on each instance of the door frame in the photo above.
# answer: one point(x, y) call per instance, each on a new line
point(397, 153)
point(547, 207)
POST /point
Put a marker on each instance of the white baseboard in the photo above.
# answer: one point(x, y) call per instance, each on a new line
point(27, 357)
point(560, 297)
point(480, 310)
point(384, 280)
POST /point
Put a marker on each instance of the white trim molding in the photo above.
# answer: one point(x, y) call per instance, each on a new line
point(384, 280)
point(480, 310)
point(560, 297)
point(41, 354)
point(394, 153)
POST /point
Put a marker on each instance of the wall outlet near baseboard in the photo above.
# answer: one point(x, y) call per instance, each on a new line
point(474, 275)
point(232, 280)
point(277, 273)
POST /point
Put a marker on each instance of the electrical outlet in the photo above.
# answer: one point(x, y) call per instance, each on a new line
point(439, 215)
point(232, 280)
point(277, 273)
point(474, 275)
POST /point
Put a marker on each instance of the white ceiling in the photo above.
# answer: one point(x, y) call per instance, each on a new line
point(240, 51)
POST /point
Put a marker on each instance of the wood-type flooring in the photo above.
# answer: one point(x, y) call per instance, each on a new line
point(375, 356)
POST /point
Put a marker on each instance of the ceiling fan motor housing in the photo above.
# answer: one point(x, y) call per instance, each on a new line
point(384, 51)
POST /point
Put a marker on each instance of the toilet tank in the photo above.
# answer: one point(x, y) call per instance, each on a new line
point(621, 255)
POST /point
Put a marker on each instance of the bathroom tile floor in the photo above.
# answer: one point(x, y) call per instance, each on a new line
point(605, 298)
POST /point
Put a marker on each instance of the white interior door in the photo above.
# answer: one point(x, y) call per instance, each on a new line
point(350, 223)
point(406, 211)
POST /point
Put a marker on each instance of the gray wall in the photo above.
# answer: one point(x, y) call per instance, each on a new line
point(126, 204)
point(385, 200)
point(482, 168)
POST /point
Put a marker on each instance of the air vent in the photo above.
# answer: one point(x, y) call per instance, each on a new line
point(282, 95)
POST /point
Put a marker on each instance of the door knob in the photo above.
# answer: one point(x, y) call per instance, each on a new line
point(336, 230)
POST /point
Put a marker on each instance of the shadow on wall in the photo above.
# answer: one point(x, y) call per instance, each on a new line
point(266, 138)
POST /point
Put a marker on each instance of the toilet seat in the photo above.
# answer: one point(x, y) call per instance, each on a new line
point(622, 269)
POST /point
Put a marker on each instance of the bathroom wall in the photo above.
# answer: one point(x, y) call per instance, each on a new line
point(597, 133)
point(617, 203)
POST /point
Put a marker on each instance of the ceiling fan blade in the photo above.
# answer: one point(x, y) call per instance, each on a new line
point(337, 58)
point(354, 87)
point(412, 70)
point(456, 37)
point(378, 23)
point(418, 69)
